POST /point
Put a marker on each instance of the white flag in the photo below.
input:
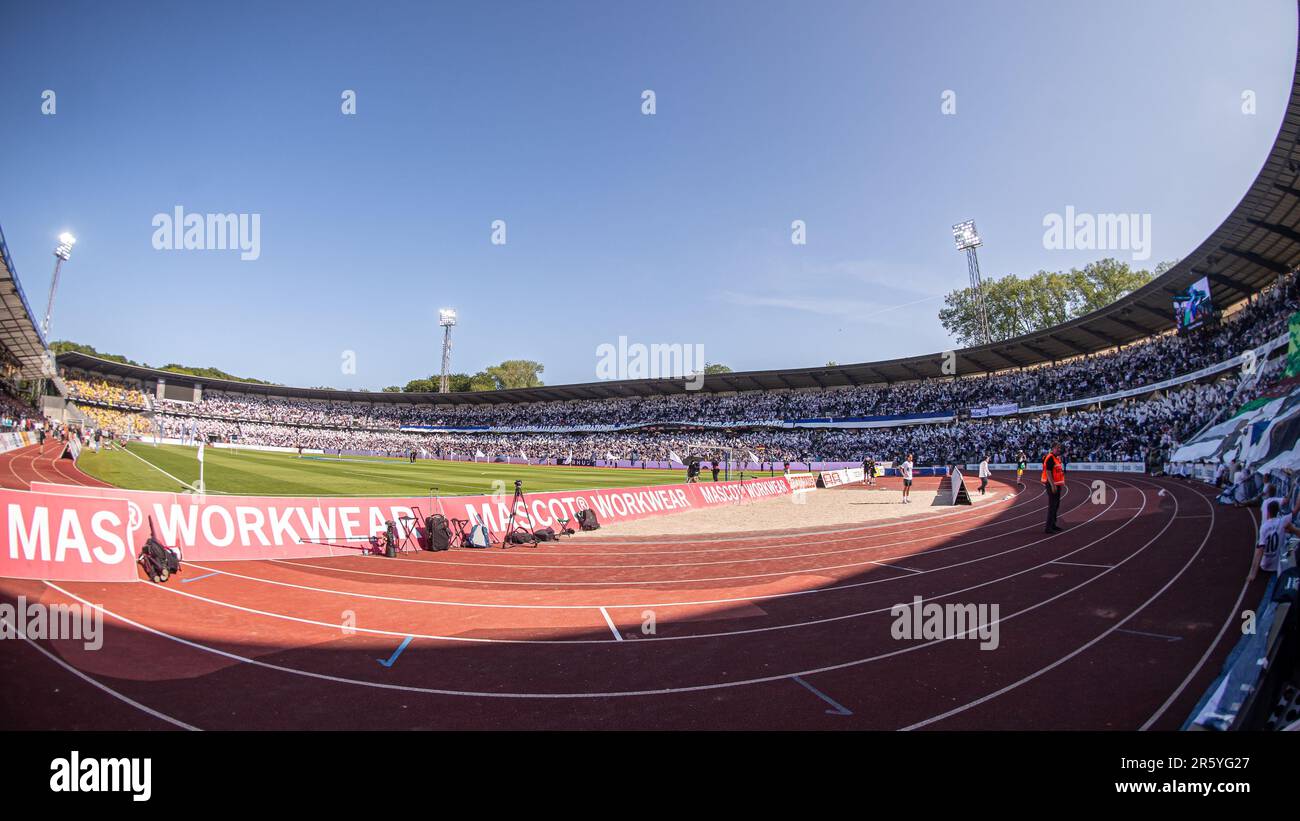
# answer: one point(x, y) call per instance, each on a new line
point(568, 460)
point(673, 457)
point(200, 452)
point(478, 454)
point(609, 457)
point(753, 457)
point(521, 453)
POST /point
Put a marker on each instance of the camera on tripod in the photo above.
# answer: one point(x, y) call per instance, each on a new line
point(516, 533)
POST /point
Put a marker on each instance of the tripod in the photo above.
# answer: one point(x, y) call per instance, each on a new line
point(512, 524)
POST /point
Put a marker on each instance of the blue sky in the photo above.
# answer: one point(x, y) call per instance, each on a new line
point(666, 228)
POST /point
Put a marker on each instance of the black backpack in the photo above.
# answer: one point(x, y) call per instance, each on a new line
point(521, 537)
point(587, 519)
point(546, 534)
point(158, 562)
point(390, 540)
point(438, 532)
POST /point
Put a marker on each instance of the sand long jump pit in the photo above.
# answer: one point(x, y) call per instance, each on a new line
point(846, 505)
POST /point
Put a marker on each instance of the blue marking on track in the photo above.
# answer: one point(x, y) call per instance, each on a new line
point(393, 658)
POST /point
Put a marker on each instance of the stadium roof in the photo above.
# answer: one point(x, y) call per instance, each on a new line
point(1256, 243)
point(19, 333)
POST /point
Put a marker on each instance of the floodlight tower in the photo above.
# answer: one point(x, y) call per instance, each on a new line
point(447, 319)
point(968, 240)
point(61, 254)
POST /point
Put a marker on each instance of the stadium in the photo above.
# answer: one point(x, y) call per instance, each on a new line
point(1062, 529)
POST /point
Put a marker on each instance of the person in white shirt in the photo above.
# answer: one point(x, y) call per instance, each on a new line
point(1221, 476)
point(1272, 535)
point(906, 470)
point(984, 474)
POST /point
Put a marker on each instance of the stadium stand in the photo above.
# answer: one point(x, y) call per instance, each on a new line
point(1137, 416)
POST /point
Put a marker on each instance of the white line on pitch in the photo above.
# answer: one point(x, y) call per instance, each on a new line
point(610, 622)
point(840, 709)
point(1084, 564)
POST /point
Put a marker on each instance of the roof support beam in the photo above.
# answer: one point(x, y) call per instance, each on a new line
point(1071, 345)
point(1138, 329)
point(1274, 228)
point(1004, 357)
point(1227, 283)
point(1251, 256)
point(1287, 189)
point(1039, 352)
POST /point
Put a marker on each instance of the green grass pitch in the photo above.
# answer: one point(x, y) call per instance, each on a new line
point(264, 473)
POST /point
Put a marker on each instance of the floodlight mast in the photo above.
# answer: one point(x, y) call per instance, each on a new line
point(62, 252)
point(968, 239)
point(447, 319)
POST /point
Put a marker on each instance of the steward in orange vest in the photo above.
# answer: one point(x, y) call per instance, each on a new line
point(1053, 479)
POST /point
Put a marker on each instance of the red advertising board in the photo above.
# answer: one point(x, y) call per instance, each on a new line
point(214, 527)
point(66, 538)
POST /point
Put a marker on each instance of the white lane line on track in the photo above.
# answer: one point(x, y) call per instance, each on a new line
point(898, 567)
point(661, 565)
point(927, 522)
point(493, 555)
point(624, 693)
point(1084, 564)
point(751, 598)
point(627, 582)
point(746, 631)
point(613, 629)
point(978, 511)
point(1149, 635)
point(1233, 615)
point(1063, 659)
point(840, 709)
point(104, 687)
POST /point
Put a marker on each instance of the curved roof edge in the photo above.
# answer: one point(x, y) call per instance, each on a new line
point(19, 332)
point(1255, 244)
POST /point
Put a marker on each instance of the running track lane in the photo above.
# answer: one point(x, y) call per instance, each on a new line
point(1151, 563)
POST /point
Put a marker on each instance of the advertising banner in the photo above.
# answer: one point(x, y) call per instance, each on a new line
point(65, 538)
point(214, 527)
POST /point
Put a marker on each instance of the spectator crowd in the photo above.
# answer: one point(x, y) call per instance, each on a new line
point(1131, 430)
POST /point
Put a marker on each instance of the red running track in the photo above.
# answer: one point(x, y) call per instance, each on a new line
point(1119, 622)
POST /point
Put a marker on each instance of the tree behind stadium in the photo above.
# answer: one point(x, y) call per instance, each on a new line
point(513, 373)
point(1019, 306)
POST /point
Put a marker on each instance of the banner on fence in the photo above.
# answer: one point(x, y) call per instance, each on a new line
point(214, 527)
point(65, 538)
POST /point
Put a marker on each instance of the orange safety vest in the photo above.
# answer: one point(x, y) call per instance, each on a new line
point(1058, 470)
